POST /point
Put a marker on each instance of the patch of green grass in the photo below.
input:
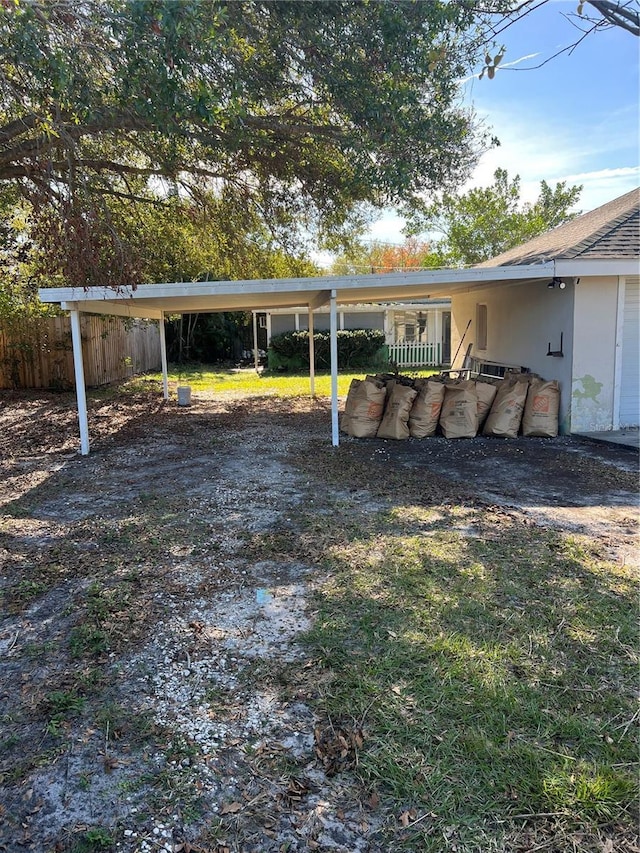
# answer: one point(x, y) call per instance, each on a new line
point(86, 640)
point(38, 651)
point(26, 590)
point(7, 744)
point(492, 676)
point(92, 840)
point(177, 785)
point(60, 707)
point(120, 723)
point(246, 381)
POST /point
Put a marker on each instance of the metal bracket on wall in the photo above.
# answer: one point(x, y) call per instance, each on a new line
point(556, 353)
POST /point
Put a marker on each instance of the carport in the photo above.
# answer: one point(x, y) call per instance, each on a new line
point(156, 301)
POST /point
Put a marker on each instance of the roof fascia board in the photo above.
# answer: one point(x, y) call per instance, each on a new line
point(247, 288)
point(440, 280)
point(116, 309)
point(599, 267)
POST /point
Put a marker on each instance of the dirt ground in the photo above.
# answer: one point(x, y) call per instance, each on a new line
point(143, 645)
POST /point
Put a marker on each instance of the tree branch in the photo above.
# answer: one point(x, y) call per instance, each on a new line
point(618, 14)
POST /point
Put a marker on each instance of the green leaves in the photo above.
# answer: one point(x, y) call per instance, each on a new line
point(310, 95)
point(486, 221)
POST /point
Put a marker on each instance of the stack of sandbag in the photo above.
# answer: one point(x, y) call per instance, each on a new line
point(364, 408)
point(425, 412)
point(459, 415)
point(508, 406)
point(395, 421)
point(541, 408)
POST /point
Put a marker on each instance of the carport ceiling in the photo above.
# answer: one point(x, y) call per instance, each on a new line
point(153, 300)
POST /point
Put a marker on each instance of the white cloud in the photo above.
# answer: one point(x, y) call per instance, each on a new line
point(500, 67)
point(604, 185)
point(591, 152)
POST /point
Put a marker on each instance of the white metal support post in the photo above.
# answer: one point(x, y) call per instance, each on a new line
point(312, 356)
point(81, 395)
point(255, 341)
point(333, 331)
point(163, 358)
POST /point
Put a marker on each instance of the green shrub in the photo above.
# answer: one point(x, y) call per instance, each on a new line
point(356, 348)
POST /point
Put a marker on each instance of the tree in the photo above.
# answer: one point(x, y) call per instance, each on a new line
point(496, 16)
point(486, 221)
point(171, 239)
point(299, 111)
point(381, 257)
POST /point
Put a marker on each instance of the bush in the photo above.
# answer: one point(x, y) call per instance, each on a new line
point(356, 348)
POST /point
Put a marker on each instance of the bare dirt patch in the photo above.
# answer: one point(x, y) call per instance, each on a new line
point(154, 693)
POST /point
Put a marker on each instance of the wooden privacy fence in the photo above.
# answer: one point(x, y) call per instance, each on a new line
point(415, 354)
point(38, 353)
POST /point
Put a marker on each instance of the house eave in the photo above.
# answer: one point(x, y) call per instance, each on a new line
point(577, 267)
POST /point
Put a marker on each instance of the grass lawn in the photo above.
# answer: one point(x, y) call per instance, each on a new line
point(464, 677)
point(482, 680)
point(485, 674)
point(246, 381)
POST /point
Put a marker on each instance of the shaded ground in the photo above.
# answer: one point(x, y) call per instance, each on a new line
point(152, 691)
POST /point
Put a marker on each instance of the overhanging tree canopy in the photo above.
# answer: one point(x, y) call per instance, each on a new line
point(300, 109)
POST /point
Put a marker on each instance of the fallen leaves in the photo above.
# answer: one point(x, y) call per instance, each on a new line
point(231, 808)
point(337, 747)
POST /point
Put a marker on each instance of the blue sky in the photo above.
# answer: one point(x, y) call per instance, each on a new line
point(576, 119)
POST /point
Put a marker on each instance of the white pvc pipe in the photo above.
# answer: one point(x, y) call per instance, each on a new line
point(81, 395)
point(163, 357)
point(333, 331)
point(312, 356)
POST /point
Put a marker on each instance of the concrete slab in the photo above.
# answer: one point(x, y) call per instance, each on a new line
point(629, 437)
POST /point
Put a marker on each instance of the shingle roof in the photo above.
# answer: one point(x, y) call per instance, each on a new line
point(609, 231)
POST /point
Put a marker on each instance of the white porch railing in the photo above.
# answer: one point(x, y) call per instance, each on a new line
point(415, 354)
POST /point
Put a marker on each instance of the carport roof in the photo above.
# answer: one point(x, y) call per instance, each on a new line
point(154, 300)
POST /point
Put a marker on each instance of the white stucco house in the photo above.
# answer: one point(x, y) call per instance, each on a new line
point(416, 333)
point(580, 326)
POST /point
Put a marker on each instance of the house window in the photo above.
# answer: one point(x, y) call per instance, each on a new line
point(481, 326)
point(409, 332)
point(262, 321)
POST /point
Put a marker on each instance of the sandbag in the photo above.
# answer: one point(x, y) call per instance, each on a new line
point(425, 412)
point(541, 409)
point(486, 395)
point(459, 415)
point(364, 408)
point(506, 411)
point(395, 421)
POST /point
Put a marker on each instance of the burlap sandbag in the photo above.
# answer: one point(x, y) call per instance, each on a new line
point(506, 412)
point(459, 415)
point(541, 409)
point(425, 412)
point(486, 395)
point(395, 422)
point(363, 408)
